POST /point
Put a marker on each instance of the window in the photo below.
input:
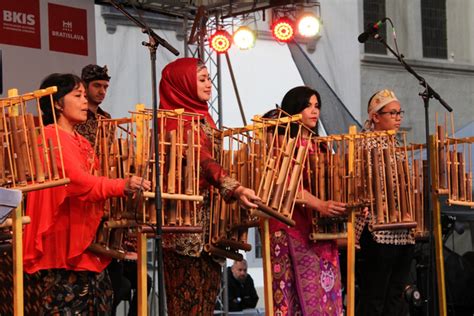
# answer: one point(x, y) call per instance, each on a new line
point(374, 10)
point(433, 25)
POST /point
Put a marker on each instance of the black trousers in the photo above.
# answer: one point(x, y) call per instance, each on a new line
point(123, 275)
point(384, 273)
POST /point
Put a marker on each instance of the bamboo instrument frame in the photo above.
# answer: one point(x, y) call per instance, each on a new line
point(26, 155)
point(394, 186)
point(258, 159)
point(125, 148)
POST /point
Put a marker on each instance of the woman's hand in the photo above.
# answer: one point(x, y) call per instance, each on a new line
point(332, 208)
point(131, 256)
point(135, 183)
point(246, 196)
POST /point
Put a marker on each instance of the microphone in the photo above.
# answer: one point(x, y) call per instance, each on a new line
point(371, 28)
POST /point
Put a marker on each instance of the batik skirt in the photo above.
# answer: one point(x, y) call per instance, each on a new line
point(303, 282)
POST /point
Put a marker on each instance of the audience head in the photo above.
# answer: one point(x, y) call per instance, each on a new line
point(239, 270)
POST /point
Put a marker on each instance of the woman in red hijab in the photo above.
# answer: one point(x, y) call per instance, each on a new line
point(192, 276)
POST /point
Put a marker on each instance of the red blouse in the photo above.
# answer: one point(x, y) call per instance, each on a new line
point(64, 219)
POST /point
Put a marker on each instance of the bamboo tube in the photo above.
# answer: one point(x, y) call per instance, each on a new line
point(327, 236)
point(269, 211)
point(404, 202)
point(24, 150)
point(393, 226)
point(313, 173)
point(242, 164)
point(454, 177)
point(268, 180)
point(188, 178)
point(20, 167)
point(258, 165)
point(441, 157)
point(52, 158)
point(469, 186)
point(336, 180)
point(376, 182)
point(34, 148)
point(322, 176)
point(223, 218)
point(222, 253)
point(282, 175)
point(294, 180)
point(469, 174)
point(392, 211)
point(418, 194)
point(44, 185)
point(150, 231)
point(461, 176)
point(232, 244)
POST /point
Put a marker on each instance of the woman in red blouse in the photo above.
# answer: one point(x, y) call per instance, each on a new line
point(64, 219)
point(192, 276)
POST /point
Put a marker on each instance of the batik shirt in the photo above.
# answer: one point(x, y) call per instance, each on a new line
point(88, 129)
point(391, 237)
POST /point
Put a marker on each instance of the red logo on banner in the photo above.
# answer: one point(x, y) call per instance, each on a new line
point(67, 29)
point(20, 23)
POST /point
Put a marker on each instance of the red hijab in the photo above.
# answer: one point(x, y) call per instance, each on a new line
point(178, 89)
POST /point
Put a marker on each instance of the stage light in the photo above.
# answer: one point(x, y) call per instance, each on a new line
point(308, 25)
point(220, 41)
point(244, 38)
point(282, 30)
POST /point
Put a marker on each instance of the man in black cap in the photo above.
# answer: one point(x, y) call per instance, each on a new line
point(97, 80)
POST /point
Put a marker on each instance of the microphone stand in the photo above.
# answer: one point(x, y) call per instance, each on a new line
point(152, 44)
point(426, 95)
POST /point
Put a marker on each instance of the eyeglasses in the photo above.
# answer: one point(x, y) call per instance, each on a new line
point(393, 114)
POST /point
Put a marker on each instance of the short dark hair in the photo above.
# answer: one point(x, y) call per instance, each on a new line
point(65, 84)
point(94, 72)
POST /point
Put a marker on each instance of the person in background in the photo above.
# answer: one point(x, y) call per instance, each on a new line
point(64, 219)
point(242, 293)
point(387, 254)
point(96, 81)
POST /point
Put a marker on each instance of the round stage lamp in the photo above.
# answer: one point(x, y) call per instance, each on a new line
point(244, 38)
point(308, 25)
point(282, 30)
point(220, 41)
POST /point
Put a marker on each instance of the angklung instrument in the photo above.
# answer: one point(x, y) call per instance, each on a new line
point(389, 184)
point(261, 156)
point(125, 148)
point(454, 166)
point(27, 159)
point(330, 177)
